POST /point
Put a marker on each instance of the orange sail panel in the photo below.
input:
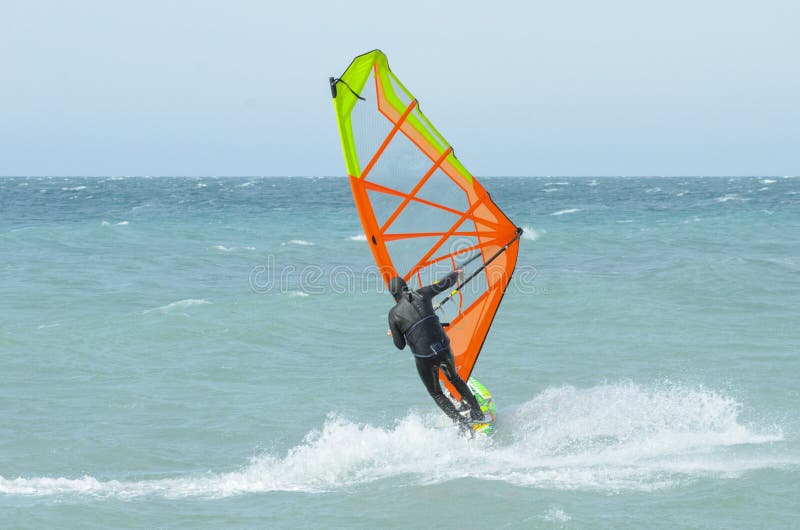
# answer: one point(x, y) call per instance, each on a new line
point(422, 212)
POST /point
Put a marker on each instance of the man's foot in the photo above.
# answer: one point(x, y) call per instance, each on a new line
point(465, 429)
point(477, 416)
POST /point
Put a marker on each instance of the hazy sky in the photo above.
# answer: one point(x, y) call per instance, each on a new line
point(519, 88)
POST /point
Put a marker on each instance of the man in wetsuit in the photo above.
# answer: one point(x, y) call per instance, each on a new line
point(413, 321)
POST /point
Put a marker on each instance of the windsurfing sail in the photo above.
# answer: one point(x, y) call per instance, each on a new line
point(423, 213)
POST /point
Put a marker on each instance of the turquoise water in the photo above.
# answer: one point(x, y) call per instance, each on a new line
point(203, 352)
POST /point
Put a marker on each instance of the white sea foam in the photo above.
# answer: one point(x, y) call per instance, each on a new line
point(180, 304)
point(358, 237)
point(731, 197)
point(223, 248)
point(608, 438)
point(74, 188)
point(567, 211)
point(554, 514)
point(767, 181)
point(529, 233)
point(300, 242)
point(550, 190)
point(298, 294)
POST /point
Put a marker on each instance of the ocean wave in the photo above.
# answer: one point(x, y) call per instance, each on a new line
point(223, 248)
point(358, 237)
point(567, 211)
point(180, 304)
point(529, 233)
point(300, 242)
point(607, 438)
point(554, 514)
point(731, 197)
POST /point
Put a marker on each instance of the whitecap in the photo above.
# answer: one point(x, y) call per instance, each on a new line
point(731, 197)
point(300, 242)
point(74, 188)
point(554, 514)
point(223, 248)
point(567, 211)
point(529, 233)
point(358, 237)
point(180, 304)
point(767, 181)
point(550, 190)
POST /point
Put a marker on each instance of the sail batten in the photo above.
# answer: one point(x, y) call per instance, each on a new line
point(422, 212)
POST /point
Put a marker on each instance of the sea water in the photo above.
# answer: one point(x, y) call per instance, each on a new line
point(212, 352)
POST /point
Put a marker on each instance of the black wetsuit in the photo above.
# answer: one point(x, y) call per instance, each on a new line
point(413, 321)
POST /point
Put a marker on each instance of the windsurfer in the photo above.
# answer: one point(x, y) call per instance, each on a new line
point(413, 321)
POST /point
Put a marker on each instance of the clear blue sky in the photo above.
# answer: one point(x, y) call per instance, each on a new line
point(519, 88)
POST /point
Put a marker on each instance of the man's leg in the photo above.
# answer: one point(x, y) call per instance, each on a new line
point(448, 366)
point(428, 369)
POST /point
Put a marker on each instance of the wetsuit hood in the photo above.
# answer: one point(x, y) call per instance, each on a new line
point(397, 286)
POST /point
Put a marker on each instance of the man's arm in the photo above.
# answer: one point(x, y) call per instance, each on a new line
point(442, 285)
point(397, 335)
